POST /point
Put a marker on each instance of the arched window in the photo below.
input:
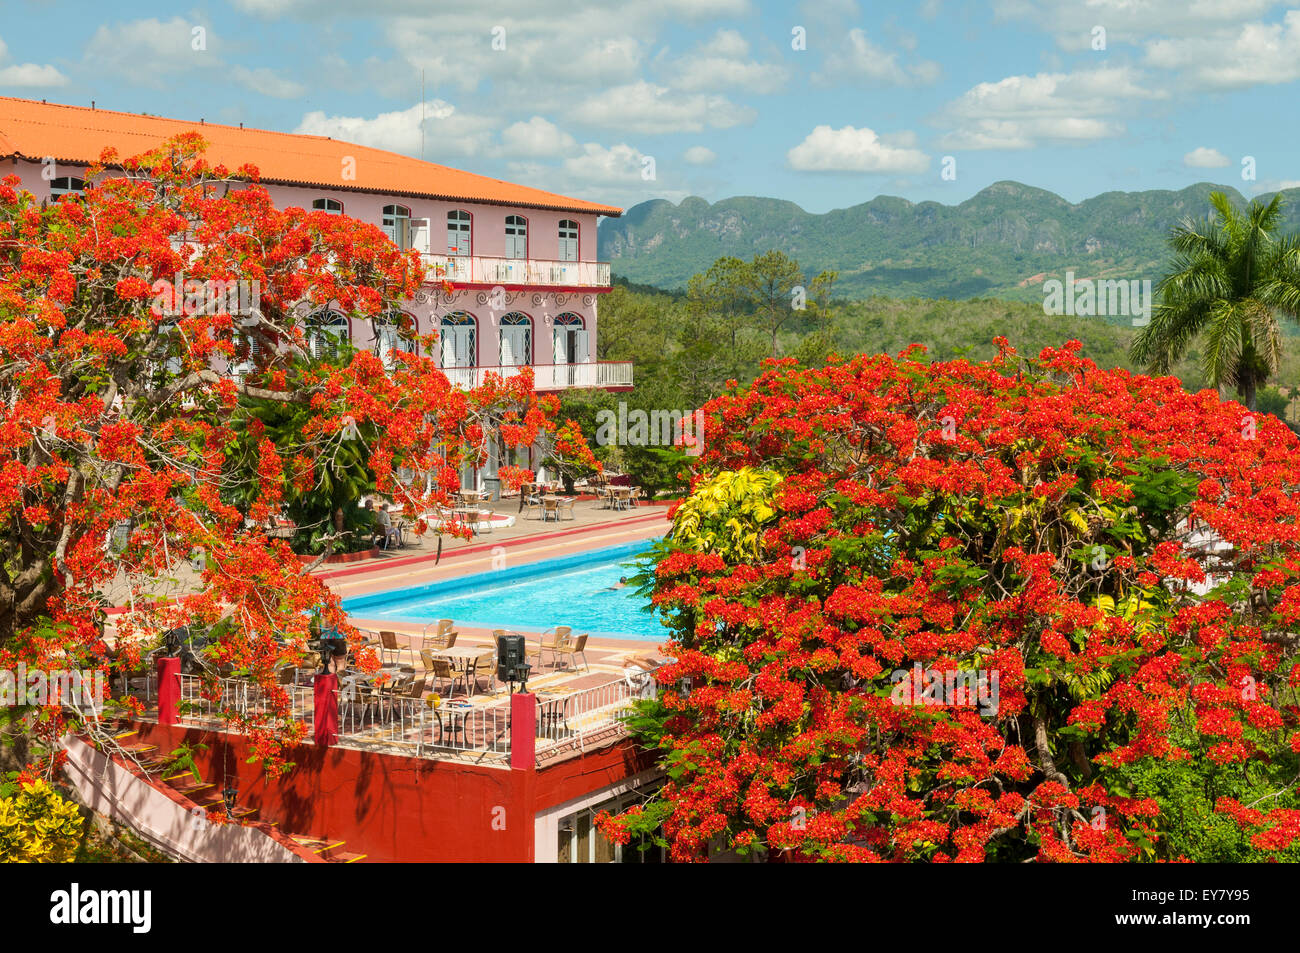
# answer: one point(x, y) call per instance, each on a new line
point(516, 340)
point(457, 340)
point(568, 240)
point(569, 339)
point(66, 185)
point(395, 331)
point(516, 236)
point(397, 225)
point(327, 333)
point(458, 233)
point(333, 206)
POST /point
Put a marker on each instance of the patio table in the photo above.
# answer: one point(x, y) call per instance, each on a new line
point(460, 657)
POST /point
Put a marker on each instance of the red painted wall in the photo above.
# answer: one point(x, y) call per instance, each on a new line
point(394, 808)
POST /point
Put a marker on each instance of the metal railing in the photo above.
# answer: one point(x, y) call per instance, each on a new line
point(371, 718)
point(240, 698)
point(477, 269)
point(368, 718)
point(563, 717)
point(549, 376)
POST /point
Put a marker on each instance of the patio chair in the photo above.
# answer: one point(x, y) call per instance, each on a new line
point(440, 669)
point(550, 508)
point(361, 696)
point(567, 503)
point(483, 665)
point(550, 641)
point(532, 505)
point(574, 648)
point(390, 650)
point(485, 521)
point(444, 636)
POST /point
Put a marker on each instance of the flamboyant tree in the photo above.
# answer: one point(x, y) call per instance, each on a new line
point(1014, 610)
point(128, 351)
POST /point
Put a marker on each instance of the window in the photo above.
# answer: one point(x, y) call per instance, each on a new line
point(457, 342)
point(66, 185)
point(397, 225)
point(569, 339)
point(327, 333)
point(568, 240)
point(516, 236)
point(458, 233)
point(333, 206)
point(394, 331)
point(579, 842)
point(516, 340)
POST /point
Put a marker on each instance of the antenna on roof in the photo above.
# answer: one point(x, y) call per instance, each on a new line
point(92, 104)
point(241, 125)
point(421, 113)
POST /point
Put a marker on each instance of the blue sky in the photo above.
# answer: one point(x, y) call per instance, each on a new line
point(589, 97)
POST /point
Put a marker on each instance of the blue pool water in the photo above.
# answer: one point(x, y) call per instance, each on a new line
point(571, 590)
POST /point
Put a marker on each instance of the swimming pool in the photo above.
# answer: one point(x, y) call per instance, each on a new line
point(571, 590)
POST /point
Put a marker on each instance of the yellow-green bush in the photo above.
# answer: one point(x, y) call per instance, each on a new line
point(38, 826)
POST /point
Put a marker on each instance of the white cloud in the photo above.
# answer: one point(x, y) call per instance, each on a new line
point(721, 63)
point(700, 155)
point(266, 82)
point(862, 60)
point(1204, 158)
point(855, 150)
point(1127, 21)
point(148, 51)
point(620, 164)
point(1255, 54)
point(1019, 111)
point(536, 137)
point(446, 130)
point(30, 74)
point(650, 108)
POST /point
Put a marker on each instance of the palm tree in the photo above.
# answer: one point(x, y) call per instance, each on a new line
point(1232, 279)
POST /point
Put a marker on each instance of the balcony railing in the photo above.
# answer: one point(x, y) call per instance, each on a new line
point(550, 376)
point(475, 269)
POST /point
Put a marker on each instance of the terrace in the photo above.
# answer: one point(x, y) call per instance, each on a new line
point(532, 272)
point(578, 703)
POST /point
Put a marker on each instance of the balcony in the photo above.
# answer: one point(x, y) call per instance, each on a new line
point(550, 377)
point(477, 270)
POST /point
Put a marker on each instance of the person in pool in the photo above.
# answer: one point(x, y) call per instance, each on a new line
point(622, 581)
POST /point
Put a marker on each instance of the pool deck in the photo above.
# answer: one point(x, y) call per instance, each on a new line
point(529, 541)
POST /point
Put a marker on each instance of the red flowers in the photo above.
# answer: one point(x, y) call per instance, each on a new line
point(1049, 539)
point(122, 440)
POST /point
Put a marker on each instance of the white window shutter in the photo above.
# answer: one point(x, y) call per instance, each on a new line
point(419, 234)
point(560, 337)
point(581, 352)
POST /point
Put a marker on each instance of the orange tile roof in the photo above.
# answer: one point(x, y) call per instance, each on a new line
point(77, 134)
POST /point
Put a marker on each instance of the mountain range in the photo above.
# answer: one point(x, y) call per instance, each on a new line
point(1003, 242)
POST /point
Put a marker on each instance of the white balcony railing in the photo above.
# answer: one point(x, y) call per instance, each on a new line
point(551, 376)
point(474, 269)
